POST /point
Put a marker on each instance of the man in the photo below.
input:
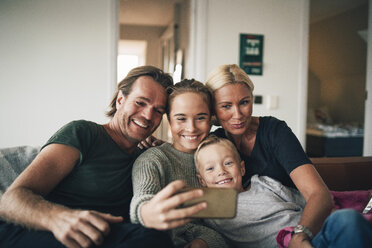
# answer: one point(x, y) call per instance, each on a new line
point(78, 189)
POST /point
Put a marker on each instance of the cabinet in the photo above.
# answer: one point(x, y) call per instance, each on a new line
point(323, 146)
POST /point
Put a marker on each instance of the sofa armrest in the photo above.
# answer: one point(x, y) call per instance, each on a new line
point(345, 173)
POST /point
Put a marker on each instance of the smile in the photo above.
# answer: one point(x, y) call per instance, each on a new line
point(240, 125)
point(190, 137)
point(224, 181)
point(141, 124)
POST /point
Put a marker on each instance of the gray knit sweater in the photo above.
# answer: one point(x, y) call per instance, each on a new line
point(152, 171)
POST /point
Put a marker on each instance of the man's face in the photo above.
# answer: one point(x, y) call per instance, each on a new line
point(140, 113)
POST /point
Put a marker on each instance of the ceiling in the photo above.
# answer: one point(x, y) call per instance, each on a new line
point(146, 12)
point(160, 12)
point(322, 9)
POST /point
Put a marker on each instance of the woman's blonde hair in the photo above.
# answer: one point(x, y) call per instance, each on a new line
point(228, 74)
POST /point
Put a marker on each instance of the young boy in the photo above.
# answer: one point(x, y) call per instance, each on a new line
point(266, 206)
point(263, 208)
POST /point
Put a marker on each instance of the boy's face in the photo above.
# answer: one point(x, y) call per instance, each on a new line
point(219, 168)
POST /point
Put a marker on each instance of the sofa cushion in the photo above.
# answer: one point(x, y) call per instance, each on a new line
point(345, 173)
point(13, 161)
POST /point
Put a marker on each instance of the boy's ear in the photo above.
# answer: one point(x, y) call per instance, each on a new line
point(201, 180)
point(242, 167)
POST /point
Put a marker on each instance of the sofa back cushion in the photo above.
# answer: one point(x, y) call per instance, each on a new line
point(13, 161)
point(345, 173)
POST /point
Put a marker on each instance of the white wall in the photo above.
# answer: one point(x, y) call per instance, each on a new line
point(284, 24)
point(367, 145)
point(57, 64)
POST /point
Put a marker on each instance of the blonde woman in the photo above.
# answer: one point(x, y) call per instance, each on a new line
point(268, 147)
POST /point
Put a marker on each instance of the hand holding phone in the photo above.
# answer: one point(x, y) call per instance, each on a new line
point(162, 212)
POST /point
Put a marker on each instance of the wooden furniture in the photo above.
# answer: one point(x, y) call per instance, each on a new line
point(323, 146)
point(345, 173)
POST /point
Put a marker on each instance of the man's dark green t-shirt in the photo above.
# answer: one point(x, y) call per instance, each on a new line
point(102, 178)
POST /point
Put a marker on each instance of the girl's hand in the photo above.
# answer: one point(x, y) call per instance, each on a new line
point(161, 211)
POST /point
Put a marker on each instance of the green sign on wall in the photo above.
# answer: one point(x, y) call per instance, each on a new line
point(251, 53)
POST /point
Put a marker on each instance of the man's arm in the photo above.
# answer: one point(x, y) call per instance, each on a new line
point(24, 202)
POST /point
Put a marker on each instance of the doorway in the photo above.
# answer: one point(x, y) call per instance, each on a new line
point(337, 79)
point(132, 53)
point(155, 23)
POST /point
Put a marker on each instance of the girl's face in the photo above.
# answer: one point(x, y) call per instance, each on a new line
point(190, 121)
point(233, 107)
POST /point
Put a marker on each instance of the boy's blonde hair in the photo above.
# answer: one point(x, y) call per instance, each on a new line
point(213, 139)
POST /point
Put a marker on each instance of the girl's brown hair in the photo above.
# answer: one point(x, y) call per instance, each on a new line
point(189, 85)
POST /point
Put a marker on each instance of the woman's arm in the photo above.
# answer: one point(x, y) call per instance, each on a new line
point(318, 200)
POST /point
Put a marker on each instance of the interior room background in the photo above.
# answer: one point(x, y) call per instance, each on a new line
point(59, 58)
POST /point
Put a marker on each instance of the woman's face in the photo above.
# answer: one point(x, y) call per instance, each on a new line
point(233, 107)
point(190, 121)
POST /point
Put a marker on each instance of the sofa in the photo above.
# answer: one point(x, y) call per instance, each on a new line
point(345, 173)
point(339, 173)
point(13, 161)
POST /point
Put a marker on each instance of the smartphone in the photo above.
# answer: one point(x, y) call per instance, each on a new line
point(221, 202)
point(368, 207)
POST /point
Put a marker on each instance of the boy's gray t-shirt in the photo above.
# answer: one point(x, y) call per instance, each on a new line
point(262, 212)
